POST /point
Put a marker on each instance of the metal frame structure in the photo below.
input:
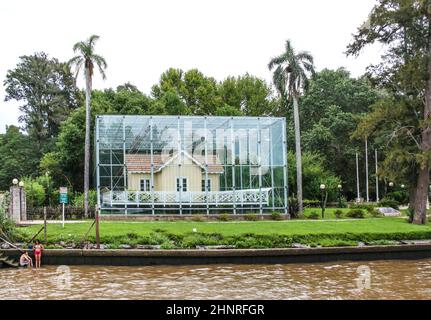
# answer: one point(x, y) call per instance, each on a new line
point(248, 152)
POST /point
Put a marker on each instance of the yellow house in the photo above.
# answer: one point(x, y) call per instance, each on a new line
point(169, 176)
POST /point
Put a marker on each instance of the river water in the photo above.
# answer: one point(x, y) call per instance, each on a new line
point(341, 280)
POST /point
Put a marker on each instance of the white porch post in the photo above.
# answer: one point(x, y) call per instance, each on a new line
point(126, 198)
point(232, 142)
point(98, 164)
point(259, 157)
point(285, 181)
point(152, 165)
point(206, 164)
point(271, 150)
point(180, 155)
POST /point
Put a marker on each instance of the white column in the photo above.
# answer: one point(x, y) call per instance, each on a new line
point(377, 178)
point(366, 170)
point(152, 165)
point(126, 196)
point(232, 143)
point(206, 164)
point(259, 157)
point(285, 181)
point(357, 178)
point(179, 158)
point(98, 164)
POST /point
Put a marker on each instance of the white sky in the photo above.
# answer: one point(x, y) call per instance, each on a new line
point(142, 39)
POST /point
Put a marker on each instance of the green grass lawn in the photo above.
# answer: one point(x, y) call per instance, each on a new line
point(240, 234)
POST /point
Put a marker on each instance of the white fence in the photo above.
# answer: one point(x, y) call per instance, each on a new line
point(238, 197)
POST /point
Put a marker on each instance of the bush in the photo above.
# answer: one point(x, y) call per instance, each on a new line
point(78, 202)
point(389, 203)
point(251, 217)
point(342, 202)
point(293, 208)
point(363, 206)
point(402, 197)
point(224, 217)
point(6, 225)
point(338, 214)
point(35, 193)
point(276, 216)
point(314, 216)
point(198, 218)
point(356, 214)
point(311, 203)
point(376, 214)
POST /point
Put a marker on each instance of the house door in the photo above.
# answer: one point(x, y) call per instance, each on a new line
point(182, 190)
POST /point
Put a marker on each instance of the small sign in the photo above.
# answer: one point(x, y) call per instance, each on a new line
point(63, 195)
point(63, 198)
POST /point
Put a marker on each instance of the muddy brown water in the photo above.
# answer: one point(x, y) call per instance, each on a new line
point(341, 280)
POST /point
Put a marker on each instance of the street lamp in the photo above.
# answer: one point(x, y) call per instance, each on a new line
point(340, 188)
point(21, 184)
point(391, 184)
point(15, 182)
point(324, 197)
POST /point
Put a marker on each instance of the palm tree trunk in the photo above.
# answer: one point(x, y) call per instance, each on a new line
point(87, 140)
point(298, 153)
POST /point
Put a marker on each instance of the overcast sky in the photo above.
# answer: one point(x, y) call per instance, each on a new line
point(141, 39)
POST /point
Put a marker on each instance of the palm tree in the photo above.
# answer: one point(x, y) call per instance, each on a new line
point(87, 59)
point(291, 76)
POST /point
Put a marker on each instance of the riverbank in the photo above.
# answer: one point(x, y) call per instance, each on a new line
point(250, 256)
point(232, 235)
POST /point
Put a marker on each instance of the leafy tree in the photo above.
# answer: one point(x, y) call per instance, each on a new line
point(45, 87)
point(291, 77)
point(87, 59)
point(404, 28)
point(247, 94)
point(314, 174)
point(18, 156)
point(198, 92)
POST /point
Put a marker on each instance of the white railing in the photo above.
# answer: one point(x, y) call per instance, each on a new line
point(238, 197)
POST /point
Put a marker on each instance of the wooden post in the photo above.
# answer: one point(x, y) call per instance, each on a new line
point(44, 224)
point(97, 229)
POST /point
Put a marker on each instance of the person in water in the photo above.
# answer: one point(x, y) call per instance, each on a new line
point(25, 260)
point(37, 249)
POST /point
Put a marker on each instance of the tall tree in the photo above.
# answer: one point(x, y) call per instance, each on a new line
point(18, 156)
point(87, 59)
point(404, 28)
point(45, 87)
point(291, 77)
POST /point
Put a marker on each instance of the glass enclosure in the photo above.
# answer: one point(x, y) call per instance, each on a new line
point(185, 165)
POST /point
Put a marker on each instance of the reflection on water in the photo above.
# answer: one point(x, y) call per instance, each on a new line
point(389, 280)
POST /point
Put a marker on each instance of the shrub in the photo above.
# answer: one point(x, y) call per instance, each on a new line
point(35, 193)
point(363, 206)
point(342, 202)
point(311, 203)
point(276, 216)
point(251, 217)
point(293, 208)
point(78, 202)
point(224, 217)
point(402, 197)
point(198, 218)
point(389, 203)
point(356, 214)
point(376, 214)
point(338, 214)
point(314, 216)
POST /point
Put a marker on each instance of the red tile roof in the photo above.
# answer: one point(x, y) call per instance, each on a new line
point(142, 162)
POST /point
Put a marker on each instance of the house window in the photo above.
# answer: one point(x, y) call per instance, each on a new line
point(144, 185)
point(182, 184)
point(203, 185)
